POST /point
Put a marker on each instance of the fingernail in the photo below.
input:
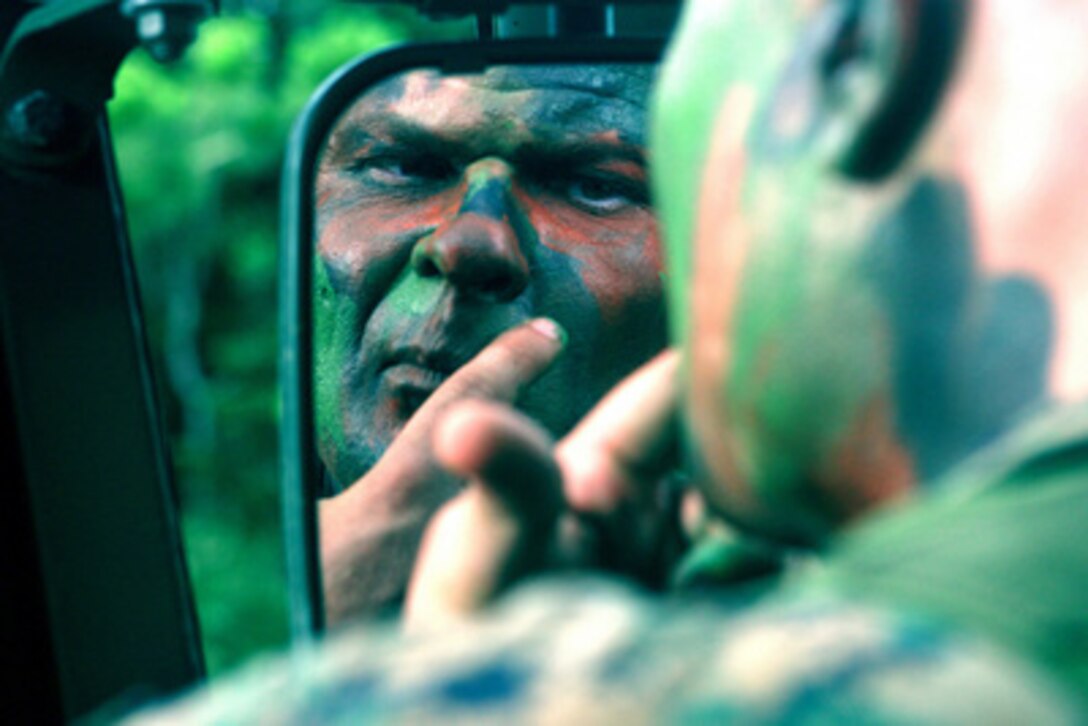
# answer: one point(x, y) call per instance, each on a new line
point(550, 329)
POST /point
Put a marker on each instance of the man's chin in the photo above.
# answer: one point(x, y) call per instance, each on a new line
point(349, 464)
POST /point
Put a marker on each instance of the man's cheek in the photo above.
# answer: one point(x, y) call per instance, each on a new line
point(361, 255)
point(623, 272)
point(622, 284)
point(610, 249)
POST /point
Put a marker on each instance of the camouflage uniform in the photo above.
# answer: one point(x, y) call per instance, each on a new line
point(961, 607)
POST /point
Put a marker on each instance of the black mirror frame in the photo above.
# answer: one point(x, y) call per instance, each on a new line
point(298, 457)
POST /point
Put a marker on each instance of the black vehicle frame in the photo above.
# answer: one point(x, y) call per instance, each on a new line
point(97, 610)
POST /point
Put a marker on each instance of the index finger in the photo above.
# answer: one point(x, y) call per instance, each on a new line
point(499, 372)
point(627, 442)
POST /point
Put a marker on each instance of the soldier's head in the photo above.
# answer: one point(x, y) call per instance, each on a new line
point(453, 207)
point(877, 238)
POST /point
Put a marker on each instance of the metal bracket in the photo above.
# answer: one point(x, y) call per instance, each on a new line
point(166, 27)
point(57, 70)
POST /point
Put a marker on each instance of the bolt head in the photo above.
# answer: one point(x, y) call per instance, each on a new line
point(40, 120)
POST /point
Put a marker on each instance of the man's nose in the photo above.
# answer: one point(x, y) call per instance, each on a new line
point(479, 251)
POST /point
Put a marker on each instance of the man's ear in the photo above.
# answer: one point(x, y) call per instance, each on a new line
point(863, 83)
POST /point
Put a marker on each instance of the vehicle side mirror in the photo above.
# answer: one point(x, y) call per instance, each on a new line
point(435, 196)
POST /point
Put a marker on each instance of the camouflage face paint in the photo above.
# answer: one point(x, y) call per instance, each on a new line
point(789, 351)
point(451, 208)
point(844, 338)
point(762, 406)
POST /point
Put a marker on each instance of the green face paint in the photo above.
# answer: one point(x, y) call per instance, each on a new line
point(744, 44)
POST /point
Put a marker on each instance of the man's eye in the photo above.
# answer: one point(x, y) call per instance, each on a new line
point(606, 196)
point(404, 170)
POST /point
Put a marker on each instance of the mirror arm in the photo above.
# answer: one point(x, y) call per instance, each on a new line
point(101, 612)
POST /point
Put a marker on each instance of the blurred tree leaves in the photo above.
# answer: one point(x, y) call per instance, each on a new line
point(200, 145)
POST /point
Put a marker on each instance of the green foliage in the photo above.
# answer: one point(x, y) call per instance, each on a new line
point(200, 145)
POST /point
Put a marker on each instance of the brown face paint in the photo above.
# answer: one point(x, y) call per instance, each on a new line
point(868, 466)
point(716, 271)
point(451, 208)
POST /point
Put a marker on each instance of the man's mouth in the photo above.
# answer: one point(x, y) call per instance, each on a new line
point(413, 374)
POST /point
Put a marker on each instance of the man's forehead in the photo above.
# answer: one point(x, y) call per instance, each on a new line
point(549, 100)
point(622, 83)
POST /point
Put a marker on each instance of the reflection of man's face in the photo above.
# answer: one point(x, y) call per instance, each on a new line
point(451, 208)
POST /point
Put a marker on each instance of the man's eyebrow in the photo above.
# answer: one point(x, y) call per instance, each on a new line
point(374, 128)
point(461, 144)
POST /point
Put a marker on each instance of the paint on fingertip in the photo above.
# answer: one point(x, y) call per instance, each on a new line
point(550, 329)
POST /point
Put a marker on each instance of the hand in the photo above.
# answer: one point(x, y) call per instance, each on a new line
point(594, 500)
point(370, 532)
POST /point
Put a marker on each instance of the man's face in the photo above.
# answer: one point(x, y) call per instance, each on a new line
point(849, 337)
point(827, 319)
point(451, 208)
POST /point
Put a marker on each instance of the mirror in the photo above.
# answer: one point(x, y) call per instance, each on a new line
point(437, 199)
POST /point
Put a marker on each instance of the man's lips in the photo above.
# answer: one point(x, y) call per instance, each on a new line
point(412, 374)
point(440, 361)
